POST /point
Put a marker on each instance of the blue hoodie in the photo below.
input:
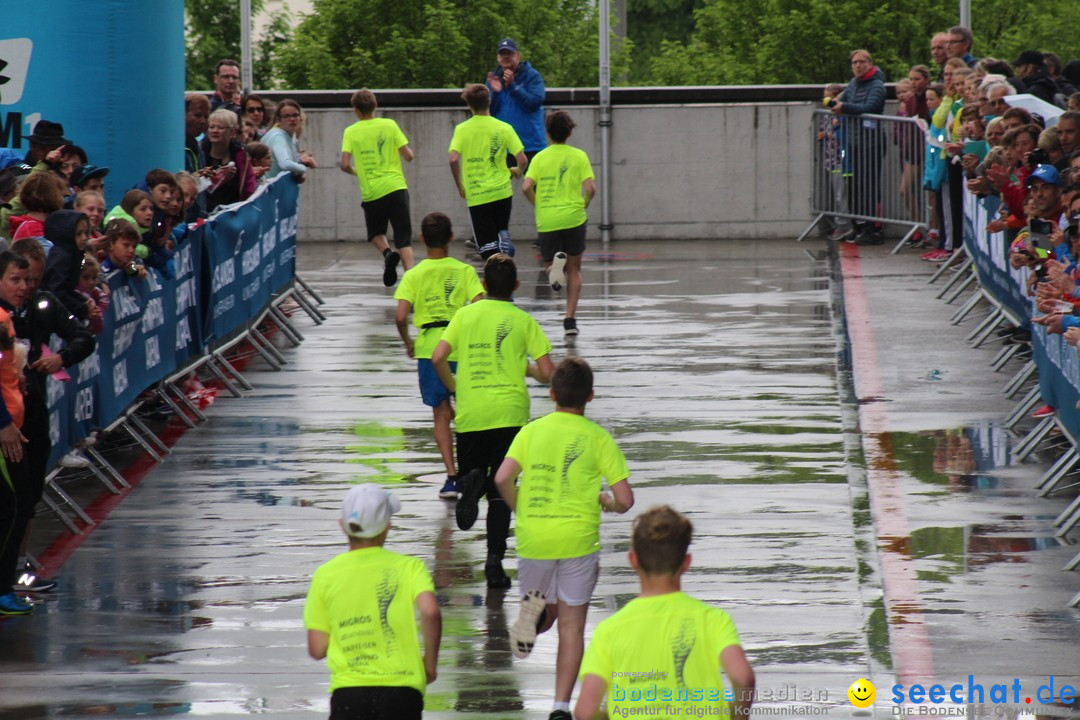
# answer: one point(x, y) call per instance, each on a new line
point(522, 106)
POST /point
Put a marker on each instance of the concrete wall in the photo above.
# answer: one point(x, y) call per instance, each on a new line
point(678, 171)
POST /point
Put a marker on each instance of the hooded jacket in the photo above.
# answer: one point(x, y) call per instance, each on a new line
point(1041, 85)
point(521, 104)
point(64, 263)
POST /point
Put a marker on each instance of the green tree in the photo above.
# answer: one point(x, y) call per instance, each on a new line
point(438, 43)
point(649, 23)
point(213, 33)
point(808, 41)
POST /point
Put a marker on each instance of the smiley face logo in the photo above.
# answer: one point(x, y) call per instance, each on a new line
point(862, 693)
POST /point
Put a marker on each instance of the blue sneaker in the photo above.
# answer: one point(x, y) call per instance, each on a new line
point(450, 489)
point(12, 604)
point(506, 245)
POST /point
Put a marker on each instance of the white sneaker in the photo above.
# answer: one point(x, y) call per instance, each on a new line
point(557, 271)
point(74, 459)
point(839, 234)
point(523, 631)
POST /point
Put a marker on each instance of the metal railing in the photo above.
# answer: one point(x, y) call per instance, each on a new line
point(868, 169)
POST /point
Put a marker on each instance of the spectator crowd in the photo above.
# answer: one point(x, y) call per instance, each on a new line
point(978, 141)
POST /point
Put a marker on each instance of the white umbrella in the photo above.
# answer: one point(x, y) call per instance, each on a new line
point(1047, 111)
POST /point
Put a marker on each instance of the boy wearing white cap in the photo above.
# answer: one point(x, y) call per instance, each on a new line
point(359, 616)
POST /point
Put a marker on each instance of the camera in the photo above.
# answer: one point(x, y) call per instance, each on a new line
point(1037, 157)
point(1040, 227)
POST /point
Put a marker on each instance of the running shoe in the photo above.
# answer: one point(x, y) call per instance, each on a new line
point(390, 263)
point(1044, 411)
point(560, 715)
point(839, 234)
point(449, 489)
point(470, 488)
point(12, 604)
point(506, 245)
point(570, 326)
point(942, 256)
point(496, 577)
point(557, 271)
point(523, 631)
point(874, 237)
point(29, 581)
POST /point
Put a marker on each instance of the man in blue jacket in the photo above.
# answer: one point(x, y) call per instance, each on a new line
point(517, 97)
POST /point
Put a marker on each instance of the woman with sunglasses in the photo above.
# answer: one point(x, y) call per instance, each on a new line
point(282, 141)
point(254, 109)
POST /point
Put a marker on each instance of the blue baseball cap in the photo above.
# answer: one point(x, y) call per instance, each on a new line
point(1047, 173)
point(507, 44)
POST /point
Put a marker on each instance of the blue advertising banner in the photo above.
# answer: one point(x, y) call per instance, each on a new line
point(227, 270)
point(80, 64)
point(991, 255)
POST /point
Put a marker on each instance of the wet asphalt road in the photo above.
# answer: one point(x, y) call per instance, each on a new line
point(716, 369)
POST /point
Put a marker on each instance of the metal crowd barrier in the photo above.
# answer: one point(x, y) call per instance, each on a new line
point(982, 262)
point(868, 168)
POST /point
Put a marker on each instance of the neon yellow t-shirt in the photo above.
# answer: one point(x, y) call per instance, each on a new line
point(374, 146)
point(364, 600)
point(437, 289)
point(668, 649)
point(494, 340)
point(563, 457)
point(482, 141)
point(559, 171)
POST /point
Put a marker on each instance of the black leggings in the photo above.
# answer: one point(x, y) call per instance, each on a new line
point(487, 220)
point(376, 703)
point(486, 449)
point(16, 508)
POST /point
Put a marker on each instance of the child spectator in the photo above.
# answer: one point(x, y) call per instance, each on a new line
point(369, 593)
point(260, 158)
point(91, 203)
point(906, 136)
point(136, 208)
point(191, 207)
point(96, 291)
point(494, 341)
point(41, 194)
point(562, 459)
point(121, 239)
point(434, 290)
point(688, 643)
point(69, 232)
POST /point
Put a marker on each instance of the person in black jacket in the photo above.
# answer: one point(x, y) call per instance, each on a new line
point(864, 95)
point(41, 316)
point(1032, 70)
point(68, 230)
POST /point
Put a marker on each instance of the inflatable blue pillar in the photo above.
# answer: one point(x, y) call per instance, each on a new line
point(111, 72)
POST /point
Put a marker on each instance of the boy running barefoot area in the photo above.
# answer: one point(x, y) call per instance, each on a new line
point(680, 644)
point(434, 291)
point(562, 459)
point(359, 616)
point(372, 149)
point(478, 152)
point(494, 340)
point(559, 182)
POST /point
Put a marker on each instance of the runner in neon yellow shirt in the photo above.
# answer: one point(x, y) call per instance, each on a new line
point(493, 340)
point(662, 654)
point(435, 289)
point(562, 459)
point(372, 149)
point(359, 616)
point(559, 182)
point(478, 153)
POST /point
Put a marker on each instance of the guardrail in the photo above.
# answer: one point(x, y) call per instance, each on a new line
point(232, 274)
point(868, 168)
point(1052, 375)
